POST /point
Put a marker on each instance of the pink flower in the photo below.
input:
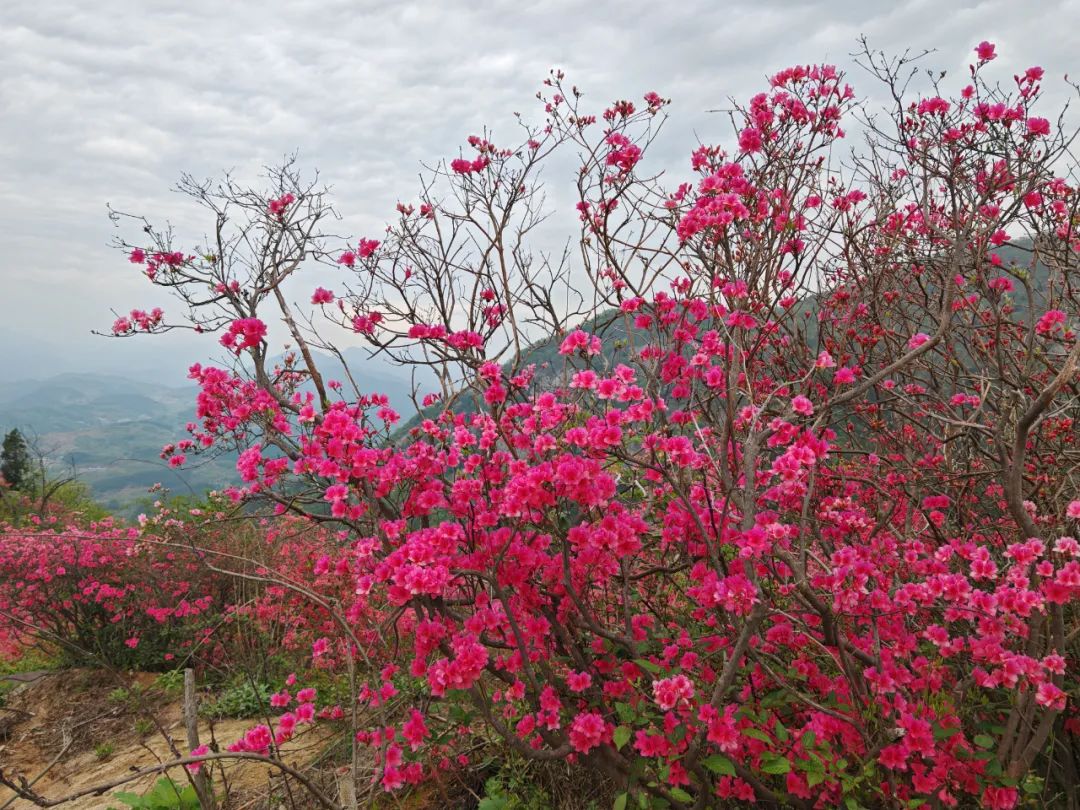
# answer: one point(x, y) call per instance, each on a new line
point(670, 692)
point(750, 140)
point(844, 376)
point(277, 207)
point(132, 642)
point(1037, 127)
point(579, 341)
point(1050, 321)
point(137, 256)
point(917, 340)
point(243, 334)
point(322, 296)
point(624, 155)
point(985, 51)
point(1050, 695)
point(651, 745)
point(893, 757)
point(463, 166)
point(1073, 510)
point(578, 681)
point(415, 730)
point(305, 695)
point(802, 406)
point(287, 724)
point(587, 732)
point(1000, 798)
point(199, 751)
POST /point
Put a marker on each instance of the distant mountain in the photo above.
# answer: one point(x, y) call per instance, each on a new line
point(110, 428)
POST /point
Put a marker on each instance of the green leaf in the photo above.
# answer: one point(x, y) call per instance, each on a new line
point(1033, 784)
point(681, 795)
point(647, 665)
point(620, 802)
point(984, 741)
point(621, 737)
point(625, 712)
point(944, 733)
point(851, 804)
point(756, 734)
point(773, 699)
point(808, 740)
point(815, 777)
point(775, 765)
point(781, 732)
point(720, 764)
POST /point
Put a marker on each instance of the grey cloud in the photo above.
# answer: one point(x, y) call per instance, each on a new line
point(110, 101)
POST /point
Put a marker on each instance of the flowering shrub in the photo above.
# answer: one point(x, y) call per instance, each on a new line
point(185, 587)
point(791, 518)
point(102, 592)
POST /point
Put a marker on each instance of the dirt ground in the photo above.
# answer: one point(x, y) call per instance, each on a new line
point(57, 727)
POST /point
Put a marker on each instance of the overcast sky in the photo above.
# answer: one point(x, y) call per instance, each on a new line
point(108, 102)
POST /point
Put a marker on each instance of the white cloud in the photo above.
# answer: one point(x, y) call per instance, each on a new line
point(110, 101)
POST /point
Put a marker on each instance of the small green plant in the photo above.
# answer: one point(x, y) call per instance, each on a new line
point(164, 795)
point(28, 661)
point(104, 750)
point(143, 726)
point(242, 700)
point(119, 695)
point(171, 681)
point(511, 789)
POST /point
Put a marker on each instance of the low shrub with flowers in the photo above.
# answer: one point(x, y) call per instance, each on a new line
point(100, 591)
point(791, 520)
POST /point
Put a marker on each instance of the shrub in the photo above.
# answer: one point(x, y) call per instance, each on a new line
point(785, 511)
point(241, 700)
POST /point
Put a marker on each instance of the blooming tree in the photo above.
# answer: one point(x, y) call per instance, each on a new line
point(766, 492)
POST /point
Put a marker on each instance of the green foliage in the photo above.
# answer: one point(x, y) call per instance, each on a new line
point(164, 795)
point(240, 700)
point(29, 661)
point(511, 789)
point(104, 750)
point(75, 497)
point(171, 681)
point(15, 459)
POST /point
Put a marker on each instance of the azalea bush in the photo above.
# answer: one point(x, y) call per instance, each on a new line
point(187, 587)
point(95, 592)
point(765, 492)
